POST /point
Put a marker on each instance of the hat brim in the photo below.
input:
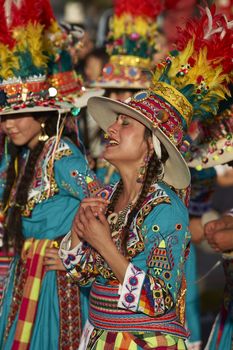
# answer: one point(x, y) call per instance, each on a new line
point(214, 158)
point(61, 107)
point(120, 84)
point(83, 99)
point(105, 112)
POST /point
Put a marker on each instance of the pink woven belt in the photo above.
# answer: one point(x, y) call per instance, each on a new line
point(105, 314)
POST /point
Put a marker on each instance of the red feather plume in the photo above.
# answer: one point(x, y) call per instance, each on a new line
point(147, 8)
point(29, 11)
point(5, 35)
point(212, 31)
point(47, 13)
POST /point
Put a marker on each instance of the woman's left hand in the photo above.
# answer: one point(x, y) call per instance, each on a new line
point(52, 260)
point(93, 229)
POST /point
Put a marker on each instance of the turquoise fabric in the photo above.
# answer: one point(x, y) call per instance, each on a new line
point(193, 314)
point(50, 219)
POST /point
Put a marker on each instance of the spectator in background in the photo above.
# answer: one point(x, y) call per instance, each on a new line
point(94, 63)
point(219, 234)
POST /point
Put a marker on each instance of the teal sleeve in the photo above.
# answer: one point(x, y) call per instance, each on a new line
point(74, 177)
point(166, 244)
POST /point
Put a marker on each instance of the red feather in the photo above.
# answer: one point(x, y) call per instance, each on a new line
point(213, 32)
point(5, 35)
point(47, 15)
point(29, 11)
point(147, 8)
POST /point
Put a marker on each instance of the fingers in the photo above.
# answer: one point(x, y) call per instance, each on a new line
point(214, 226)
point(52, 260)
point(102, 218)
point(51, 252)
point(209, 227)
point(97, 201)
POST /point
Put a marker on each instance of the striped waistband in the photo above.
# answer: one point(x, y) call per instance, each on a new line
point(105, 314)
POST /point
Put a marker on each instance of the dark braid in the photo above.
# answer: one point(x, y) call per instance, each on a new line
point(13, 227)
point(10, 175)
point(153, 172)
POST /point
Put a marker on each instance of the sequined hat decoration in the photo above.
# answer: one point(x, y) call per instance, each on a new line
point(214, 146)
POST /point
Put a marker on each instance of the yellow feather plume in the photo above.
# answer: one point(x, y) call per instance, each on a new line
point(35, 44)
point(125, 24)
point(8, 61)
point(201, 69)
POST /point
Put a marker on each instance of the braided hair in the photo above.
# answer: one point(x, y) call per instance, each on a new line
point(153, 172)
point(13, 235)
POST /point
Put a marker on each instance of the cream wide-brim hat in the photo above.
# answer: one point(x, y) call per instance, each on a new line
point(214, 158)
point(120, 84)
point(60, 106)
point(105, 111)
point(82, 100)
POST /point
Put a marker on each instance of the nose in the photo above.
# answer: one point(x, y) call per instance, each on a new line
point(112, 129)
point(7, 124)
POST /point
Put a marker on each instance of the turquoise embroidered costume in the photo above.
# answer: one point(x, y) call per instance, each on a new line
point(157, 247)
point(4, 258)
point(56, 191)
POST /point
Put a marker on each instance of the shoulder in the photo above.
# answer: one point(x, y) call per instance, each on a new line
point(65, 148)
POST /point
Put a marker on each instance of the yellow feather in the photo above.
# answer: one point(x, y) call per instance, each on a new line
point(8, 61)
point(212, 77)
point(35, 44)
point(126, 24)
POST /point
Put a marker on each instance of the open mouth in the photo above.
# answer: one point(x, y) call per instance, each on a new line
point(112, 142)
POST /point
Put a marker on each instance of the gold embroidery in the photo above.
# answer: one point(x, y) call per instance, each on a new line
point(175, 98)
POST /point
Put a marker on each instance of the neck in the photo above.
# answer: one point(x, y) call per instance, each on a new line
point(131, 188)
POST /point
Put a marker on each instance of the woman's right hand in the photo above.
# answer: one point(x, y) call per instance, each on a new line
point(97, 204)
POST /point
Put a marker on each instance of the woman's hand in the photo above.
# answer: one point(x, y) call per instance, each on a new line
point(97, 204)
point(219, 233)
point(96, 231)
point(221, 241)
point(52, 260)
point(92, 227)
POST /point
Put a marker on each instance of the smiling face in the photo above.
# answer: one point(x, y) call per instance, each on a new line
point(22, 129)
point(126, 143)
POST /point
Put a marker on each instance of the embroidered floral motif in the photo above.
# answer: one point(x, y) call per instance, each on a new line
point(131, 289)
point(44, 185)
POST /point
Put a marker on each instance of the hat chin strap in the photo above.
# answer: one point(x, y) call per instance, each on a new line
point(157, 146)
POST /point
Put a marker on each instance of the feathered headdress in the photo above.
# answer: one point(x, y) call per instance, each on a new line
point(131, 44)
point(188, 83)
point(201, 67)
point(36, 71)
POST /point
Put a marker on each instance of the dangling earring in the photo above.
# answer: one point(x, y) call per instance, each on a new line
point(142, 172)
point(43, 136)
